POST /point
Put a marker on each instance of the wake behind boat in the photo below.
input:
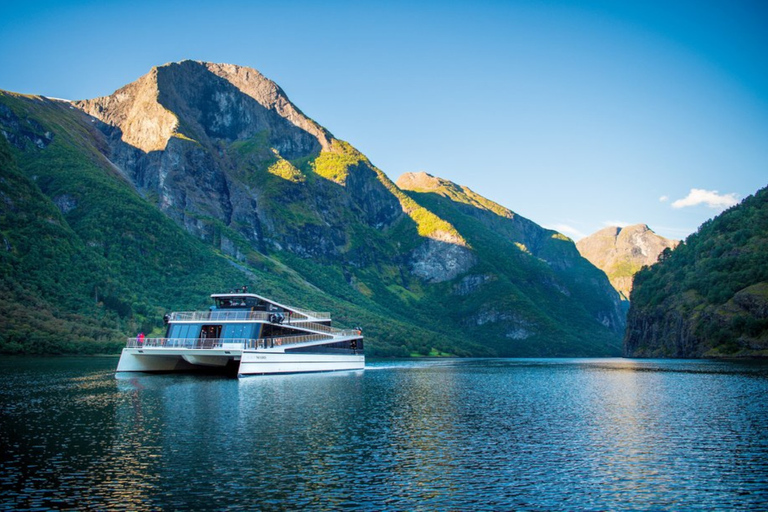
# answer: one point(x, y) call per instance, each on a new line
point(257, 334)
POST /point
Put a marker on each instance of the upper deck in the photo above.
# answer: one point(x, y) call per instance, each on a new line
point(248, 307)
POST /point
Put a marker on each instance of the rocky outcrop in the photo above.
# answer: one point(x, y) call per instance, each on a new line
point(663, 332)
point(436, 261)
point(143, 122)
point(200, 101)
point(366, 187)
point(270, 96)
point(687, 328)
point(471, 283)
point(621, 252)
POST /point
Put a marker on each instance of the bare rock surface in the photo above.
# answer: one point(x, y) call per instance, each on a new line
point(621, 252)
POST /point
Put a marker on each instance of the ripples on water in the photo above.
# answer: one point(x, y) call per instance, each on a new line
point(470, 434)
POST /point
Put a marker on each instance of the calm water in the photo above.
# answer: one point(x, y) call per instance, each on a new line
point(446, 435)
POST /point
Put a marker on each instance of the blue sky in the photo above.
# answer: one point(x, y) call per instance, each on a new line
point(576, 115)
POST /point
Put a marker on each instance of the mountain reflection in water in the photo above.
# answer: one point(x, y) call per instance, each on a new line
point(405, 435)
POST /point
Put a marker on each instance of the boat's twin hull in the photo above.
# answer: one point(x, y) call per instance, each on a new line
point(251, 362)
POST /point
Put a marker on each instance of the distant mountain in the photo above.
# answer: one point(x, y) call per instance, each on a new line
point(621, 252)
point(199, 177)
point(709, 296)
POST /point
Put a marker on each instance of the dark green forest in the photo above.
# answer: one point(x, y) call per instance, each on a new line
point(708, 296)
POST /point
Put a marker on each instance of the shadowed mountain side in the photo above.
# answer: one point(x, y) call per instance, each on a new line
point(533, 277)
point(226, 152)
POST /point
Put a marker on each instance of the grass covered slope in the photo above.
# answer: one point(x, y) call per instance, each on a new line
point(709, 296)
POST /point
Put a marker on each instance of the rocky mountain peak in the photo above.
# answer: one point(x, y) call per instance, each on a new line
point(135, 110)
point(202, 100)
point(420, 181)
point(621, 251)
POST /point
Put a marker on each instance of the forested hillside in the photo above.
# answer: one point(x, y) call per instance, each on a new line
point(709, 296)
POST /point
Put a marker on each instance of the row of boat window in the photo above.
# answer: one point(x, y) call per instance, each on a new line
point(349, 346)
point(227, 331)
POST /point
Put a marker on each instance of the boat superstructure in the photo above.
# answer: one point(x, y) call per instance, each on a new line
point(256, 334)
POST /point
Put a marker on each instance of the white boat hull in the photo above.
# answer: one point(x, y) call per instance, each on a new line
point(251, 362)
point(262, 363)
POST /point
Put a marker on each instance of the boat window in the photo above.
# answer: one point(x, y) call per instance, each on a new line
point(236, 302)
point(270, 330)
point(232, 331)
point(342, 347)
point(185, 331)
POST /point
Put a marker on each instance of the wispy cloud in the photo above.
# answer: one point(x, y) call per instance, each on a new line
point(568, 230)
point(674, 233)
point(664, 199)
point(711, 198)
point(617, 223)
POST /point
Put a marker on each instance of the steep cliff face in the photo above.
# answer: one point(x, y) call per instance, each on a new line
point(621, 252)
point(221, 151)
point(200, 100)
point(709, 296)
point(210, 143)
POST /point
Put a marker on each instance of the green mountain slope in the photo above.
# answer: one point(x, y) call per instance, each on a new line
point(530, 288)
point(709, 296)
point(199, 177)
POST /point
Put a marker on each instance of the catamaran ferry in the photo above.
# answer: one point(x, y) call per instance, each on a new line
point(248, 332)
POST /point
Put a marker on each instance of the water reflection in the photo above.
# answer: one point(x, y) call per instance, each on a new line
point(471, 434)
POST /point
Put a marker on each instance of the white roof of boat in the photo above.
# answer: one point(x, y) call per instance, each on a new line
point(223, 295)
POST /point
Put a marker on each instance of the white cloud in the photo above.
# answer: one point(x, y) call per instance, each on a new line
point(711, 198)
point(568, 230)
point(617, 223)
point(664, 199)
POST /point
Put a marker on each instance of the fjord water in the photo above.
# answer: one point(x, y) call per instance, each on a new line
point(425, 435)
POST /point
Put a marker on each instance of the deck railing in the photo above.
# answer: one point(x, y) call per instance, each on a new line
point(223, 315)
point(325, 328)
point(318, 315)
point(224, 343)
